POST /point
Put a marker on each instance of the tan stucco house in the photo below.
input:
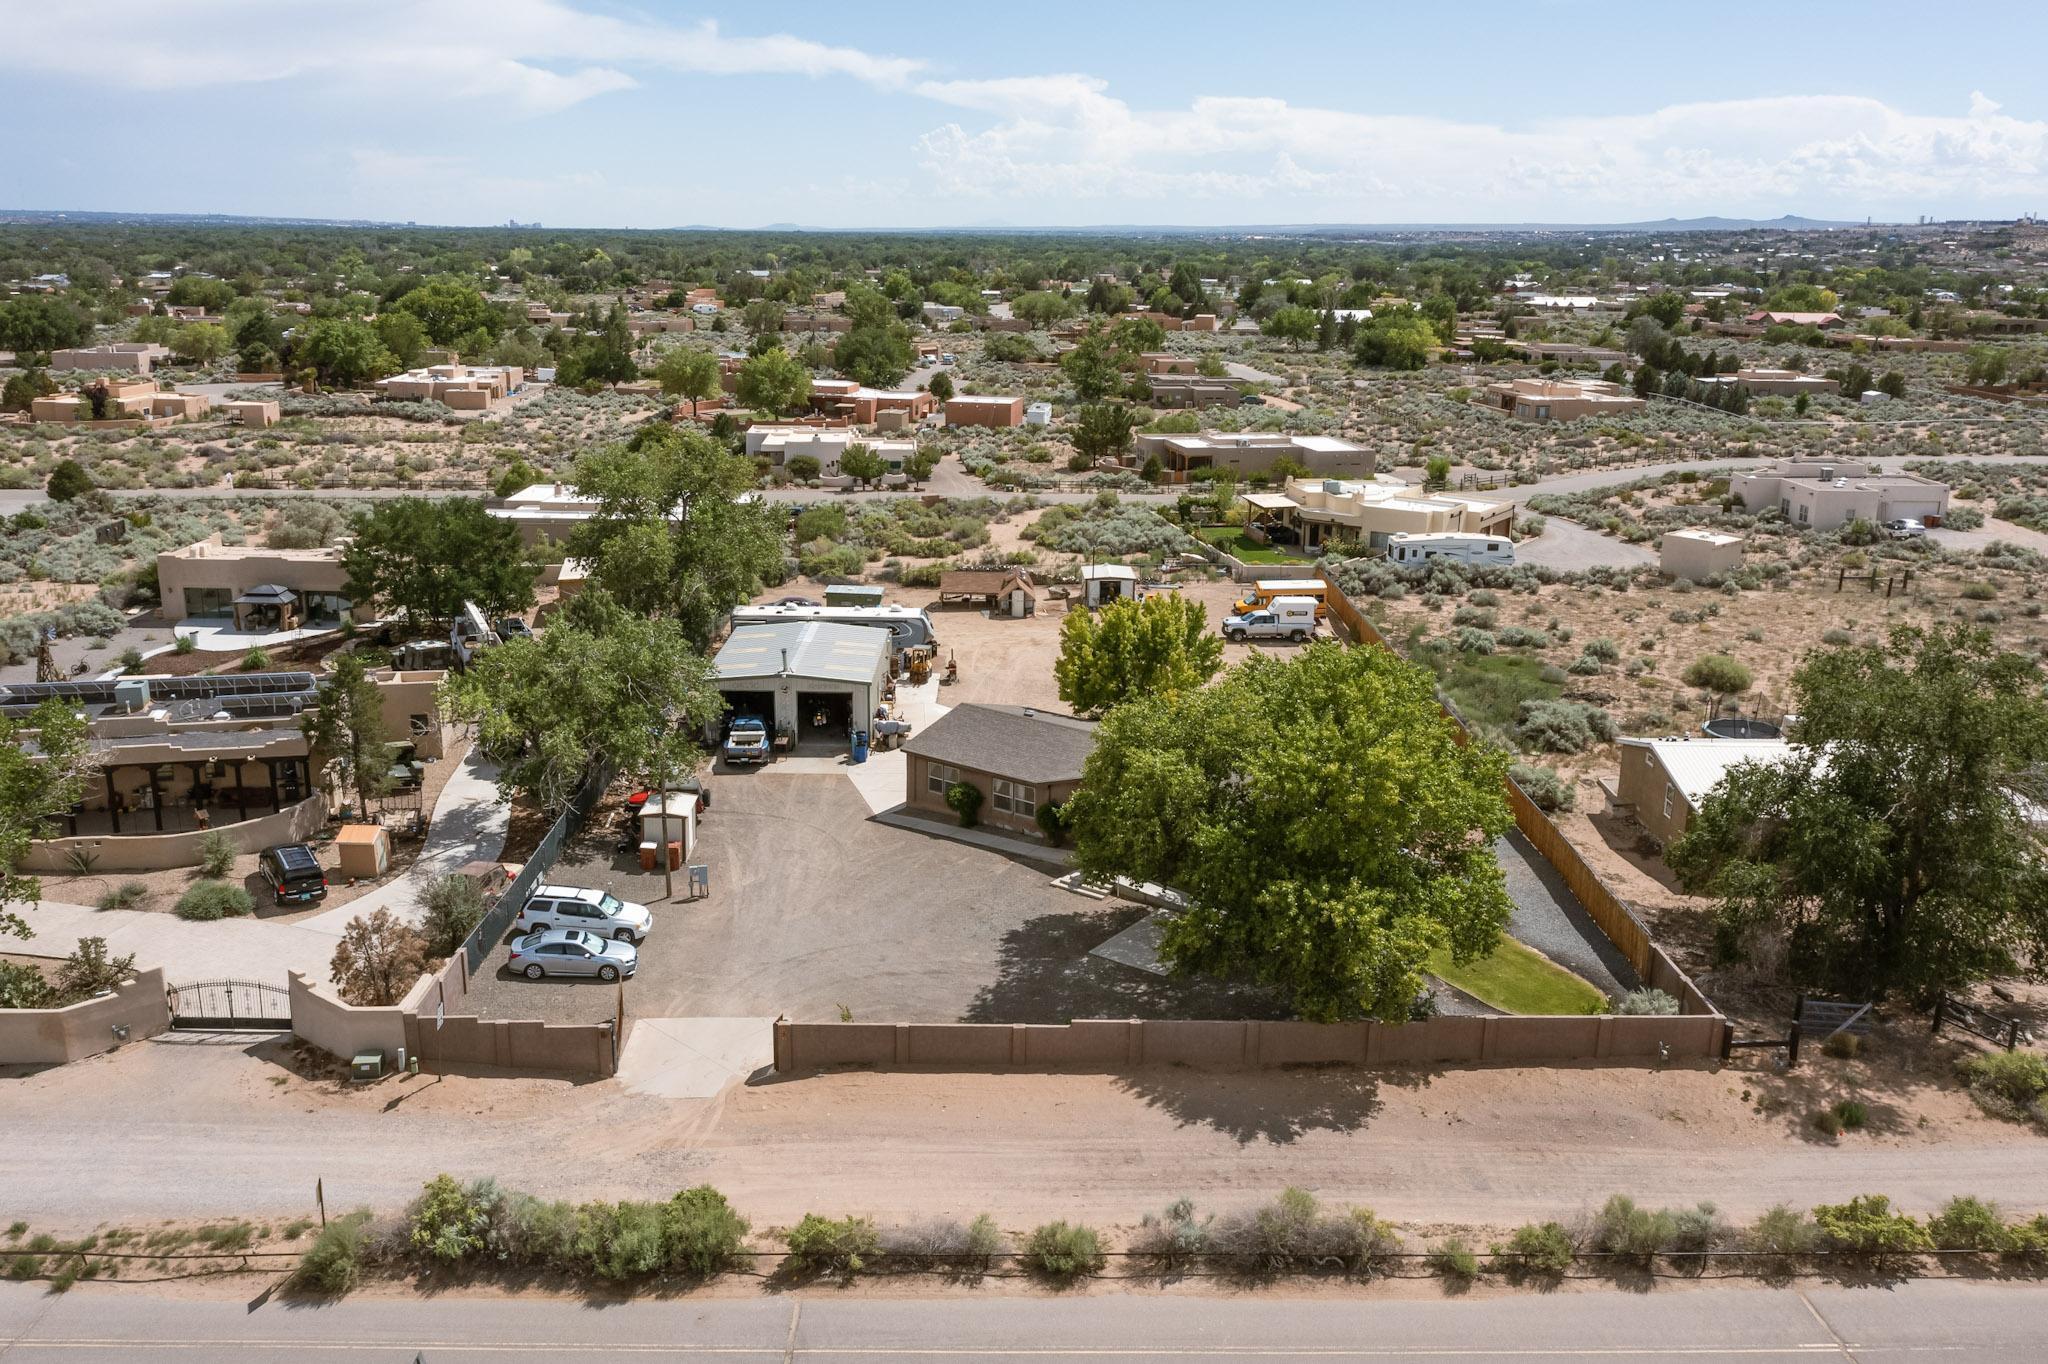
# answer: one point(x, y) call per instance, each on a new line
point(1019, 759)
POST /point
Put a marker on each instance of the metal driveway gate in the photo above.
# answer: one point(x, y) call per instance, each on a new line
point(231, 1005)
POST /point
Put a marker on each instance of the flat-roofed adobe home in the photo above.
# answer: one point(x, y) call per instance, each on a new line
point(261, 589)
point(1019, 758)
point(1561, 400)
point(1310, 512)
point(466, 388)
point(970, 409)
point(1251, 452)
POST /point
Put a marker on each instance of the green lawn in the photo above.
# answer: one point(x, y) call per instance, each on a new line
point(1487, 689)
point(1231, 540)
point(1516, 980)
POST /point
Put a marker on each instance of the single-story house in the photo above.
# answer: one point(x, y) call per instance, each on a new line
point(256, 585)
point(1664, 781)
point(1020, 759)
point(970, 409)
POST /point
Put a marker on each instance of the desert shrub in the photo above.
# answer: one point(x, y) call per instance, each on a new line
point(23, 987)
point(1825, 1122)
point(1562, 726)
point(1969, 1224)
point(619, 1241)
point(216, 854)
point(819, 1245)
point(1645, 1002)
point(1603, 648)
point(964, 800)
point(333, 1263)
point(1474, 641)
point(2008, 1084)
point(1851, 1114)
point(215, 900)
point(1717, 673)
point(1064, 1251)
point(538, 1232)
point(1622, 1229)
point(1483, 596)
point(944, 1243)
point(454, 906)
point(1293, 1233)
point(90, 970)
point(1173, 1239)
point(1474, 616)
point(452, 1222)
point(1536, 1250)
point(1842, 1046)
point(1979, 592)
point(1454, 1260)
point(1783, 1231)
point(1837, 637)
point(127, 895)
point(1522, 637)
point(1544, 785)
point(1866, 1226)
point(1585, 665)
point(1697, 1229)
point(700, 1232)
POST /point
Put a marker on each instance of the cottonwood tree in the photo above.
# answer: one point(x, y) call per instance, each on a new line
point(669, 535)
point(377, 960)
point(346, 727)
point(1151, 647)
point(692, 374)
point(343, 353)
point(1327, 827)
point(44, 762)
point(424, 557)
point(602, 687)
point(1291, 324)
point(774, 381)
point(1397, 340)
point(1894, 850)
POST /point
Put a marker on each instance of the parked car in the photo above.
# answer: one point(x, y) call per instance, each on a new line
point(1251, 400)
point(1905, 528)
point(292, 873)
point(1290, 618)
point(512, 627)
point(572, 952)
point(598, 912)
point(746, 740)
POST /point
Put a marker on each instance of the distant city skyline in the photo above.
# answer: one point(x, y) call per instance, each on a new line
point(581, 113)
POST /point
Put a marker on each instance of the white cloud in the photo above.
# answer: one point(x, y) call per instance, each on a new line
point(538, 56)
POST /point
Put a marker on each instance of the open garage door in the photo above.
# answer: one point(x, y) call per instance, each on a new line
point(760, 704)
point(823, 719)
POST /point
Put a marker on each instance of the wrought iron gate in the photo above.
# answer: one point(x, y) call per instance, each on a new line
point(231, 1005)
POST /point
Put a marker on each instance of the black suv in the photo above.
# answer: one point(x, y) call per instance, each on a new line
point(293, 873)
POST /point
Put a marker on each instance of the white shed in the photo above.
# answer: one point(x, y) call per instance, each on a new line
point(1104, 583)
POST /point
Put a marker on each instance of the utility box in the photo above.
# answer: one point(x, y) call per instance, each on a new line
point(367, 1065)
point(364, 851)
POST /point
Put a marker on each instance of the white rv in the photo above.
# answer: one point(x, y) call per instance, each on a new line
point(911, 626)
point(1409, 551)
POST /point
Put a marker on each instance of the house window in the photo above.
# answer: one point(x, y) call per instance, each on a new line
point(938, 776)
point(209, 601)
point(1668, 792)
point(1016, 798)
point(1802, 513)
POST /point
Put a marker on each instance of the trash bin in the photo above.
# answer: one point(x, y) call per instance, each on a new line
point(860, 745)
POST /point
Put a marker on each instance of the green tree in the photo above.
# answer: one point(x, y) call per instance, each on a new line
point(403, 335)
point(632, 694)
point(1290, 324)
point(36, 789)
point(919, 466)
point(686, 373)
point(861, 464)
point(1041, 309)
point(1718, 674)
point(1893, 849)
point(774, 381)
point(39, 322)
point(200, 342)
point(1328, 828)
point(1668, 308)
point(670, 535)
point(762, 317)
point(1396, 340)
point(1091, 367)
point(1130, 649)
point(1103, 431)
point(878, 356)
point(425, 557)
point(346, 728)
point(21, 390)
point(941, 386)
point(68, 480)
point(449, 309)
point(345, 354)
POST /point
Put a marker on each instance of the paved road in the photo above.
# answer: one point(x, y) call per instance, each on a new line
point(1956, 1322)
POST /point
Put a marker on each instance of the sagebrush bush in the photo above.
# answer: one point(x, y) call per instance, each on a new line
point(1783, 1231)
point(946, 1244)
point(1543, 1250)
point(1623, 1229)
point(1173, 1239)
point(1454, 1260)
point(2008, 1084)
point(332, 1265)
point(1543, 785)
point(1063, 1251)
point(1293, 1233)
point(619, 1241)
point(819, 1245)
point(701, 1234)
point(1562, 726)
point(215, 900)
point(1647, 1002)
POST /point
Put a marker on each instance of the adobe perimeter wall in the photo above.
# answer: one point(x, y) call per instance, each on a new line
point(345, 1030)
point(53, 1037)
point(155, 852)
point(445, 1036)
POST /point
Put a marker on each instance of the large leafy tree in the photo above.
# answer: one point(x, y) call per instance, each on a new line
point(1329, 830)
point(44, 761)
point(1396, 340)
point(347, 727)
point(1130, 649)
point(36, 322)
point(774, 381)
point(425, 557)
point(602, 686)
point(1103, 431)
point(670, 535)
point(1291, 324)
point(1895, 849)
point(450, 309)
point(343, 353)
point(686, 373)
point(877, 356)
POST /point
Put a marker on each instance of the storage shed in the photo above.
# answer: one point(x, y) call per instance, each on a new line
point(817, 680)
point(1696, 553)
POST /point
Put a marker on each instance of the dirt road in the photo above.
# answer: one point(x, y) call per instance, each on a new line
point(177, 1129)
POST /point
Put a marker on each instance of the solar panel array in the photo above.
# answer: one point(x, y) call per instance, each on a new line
point(238, 694)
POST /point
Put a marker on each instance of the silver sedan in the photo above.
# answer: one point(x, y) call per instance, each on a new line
point(573, 952)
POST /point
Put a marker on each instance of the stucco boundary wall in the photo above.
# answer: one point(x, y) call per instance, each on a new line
point(1615, 918)
point(445, 1038)
point(1114, 1045)
point(1238, 569)
point(347, 1030)
point(155, 852)
point(55, 1037)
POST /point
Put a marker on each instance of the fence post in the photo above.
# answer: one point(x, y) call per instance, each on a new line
point(2012, 1034)
point(1792, 1048)
point(1940, 1001)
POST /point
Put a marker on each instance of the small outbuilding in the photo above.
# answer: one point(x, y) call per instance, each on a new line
point(1005, 591)
point(1102, 584)
point(816, 680)
point(362, 851)
point(1696, 553)
point(1019, 758)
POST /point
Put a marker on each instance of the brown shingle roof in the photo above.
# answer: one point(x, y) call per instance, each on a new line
point(1018, 742)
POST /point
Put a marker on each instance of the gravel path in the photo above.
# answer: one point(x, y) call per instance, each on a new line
point(1549, 918)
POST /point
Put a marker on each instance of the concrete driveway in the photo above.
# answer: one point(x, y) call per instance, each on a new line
point(1569, 545)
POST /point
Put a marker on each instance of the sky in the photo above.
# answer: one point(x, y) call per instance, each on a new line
point(591, 113)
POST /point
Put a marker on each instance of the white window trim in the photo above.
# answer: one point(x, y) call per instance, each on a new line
point(1016, 797)
point(938, 776)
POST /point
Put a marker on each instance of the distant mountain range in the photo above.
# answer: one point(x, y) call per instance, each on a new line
point(1790, 222)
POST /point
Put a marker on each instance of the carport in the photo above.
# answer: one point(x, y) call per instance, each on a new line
point(792, 673)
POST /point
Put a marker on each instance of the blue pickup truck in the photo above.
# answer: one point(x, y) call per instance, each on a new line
point(746, 740)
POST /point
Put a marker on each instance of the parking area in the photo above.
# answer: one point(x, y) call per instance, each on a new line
point(815, 908)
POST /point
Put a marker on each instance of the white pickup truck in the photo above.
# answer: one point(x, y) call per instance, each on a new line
point(1289, 618)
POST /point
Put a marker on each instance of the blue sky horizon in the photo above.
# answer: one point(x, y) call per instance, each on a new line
point(594, 114)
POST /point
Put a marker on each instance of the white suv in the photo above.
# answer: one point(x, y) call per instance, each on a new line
point(597, 912)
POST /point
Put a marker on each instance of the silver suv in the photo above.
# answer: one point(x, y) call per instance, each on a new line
point(598, 912)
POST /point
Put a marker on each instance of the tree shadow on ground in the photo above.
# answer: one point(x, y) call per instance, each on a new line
point(1276, 1106)
point(1632, 843)
point(1046, 975)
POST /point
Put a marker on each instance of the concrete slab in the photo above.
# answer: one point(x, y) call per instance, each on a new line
point(243, 949)
point(980, 838)
point(1137, 945)
point(694, 1058)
